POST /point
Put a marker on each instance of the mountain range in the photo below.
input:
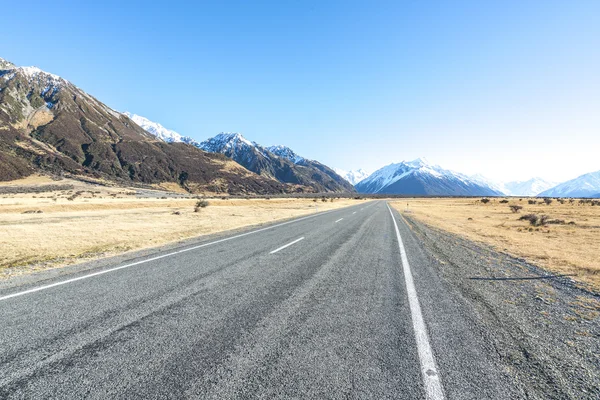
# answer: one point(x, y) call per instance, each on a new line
point(418, 177)
point(353, 176)
point(49, 124)
point(277, 162)
point(587, 185)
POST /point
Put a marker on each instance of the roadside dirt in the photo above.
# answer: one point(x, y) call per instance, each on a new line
point(545, 331)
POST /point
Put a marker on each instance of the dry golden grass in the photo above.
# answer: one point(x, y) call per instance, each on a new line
point(562, 249)
point(112, 221)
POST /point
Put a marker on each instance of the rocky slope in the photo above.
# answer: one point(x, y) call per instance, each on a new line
point(277, 162)
point(49, 124)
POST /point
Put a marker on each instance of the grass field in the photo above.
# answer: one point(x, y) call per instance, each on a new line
point(53, 229)
point(570, 245)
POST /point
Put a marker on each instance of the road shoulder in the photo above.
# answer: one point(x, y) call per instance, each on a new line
point(543, 332)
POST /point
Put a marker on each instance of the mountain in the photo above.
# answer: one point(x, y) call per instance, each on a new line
point(532, 187)
point(587, 185)
point(277, 162)
point(49, 124)
point(162, 133)
point(286, 152)
point(420, 178)
point(353, 176)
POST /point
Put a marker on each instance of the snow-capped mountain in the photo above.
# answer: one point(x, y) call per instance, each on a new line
point(286, 152)
point(587, 185)
point(49, 124)
point(531, 187)
point(278, 162)
point(161, 133)
point(353, 176)
point(418, 177)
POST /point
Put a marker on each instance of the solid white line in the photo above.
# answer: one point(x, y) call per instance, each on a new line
point(37, 289)
point(339, 220)
point(287, 245)
point(354, 213)
point(429, 372)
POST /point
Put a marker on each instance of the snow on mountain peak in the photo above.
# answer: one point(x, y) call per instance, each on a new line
point(34, 72)
point(419, 177)
point(353, 176)
point(231, 143)
point(156, 129)
point(5, 64)
point(285, 152)
point(587, 185)
point(159, 131)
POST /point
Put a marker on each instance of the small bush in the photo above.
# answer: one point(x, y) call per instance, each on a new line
point(534, 219)
point(200, 204)
point(548, 201)
point(485, 201)
point(324, 199)
point(503, 201)
point(531, 202)
point(515, 208)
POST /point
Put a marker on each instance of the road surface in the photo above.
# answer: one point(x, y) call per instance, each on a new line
point(341, 304)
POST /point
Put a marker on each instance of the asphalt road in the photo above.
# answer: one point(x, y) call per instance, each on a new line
point(318, 307)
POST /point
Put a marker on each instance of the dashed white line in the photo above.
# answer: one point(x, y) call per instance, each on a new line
point(339, 220)
point(37, 289)
point(354, 213)
point(429, 371)
point(287, 245)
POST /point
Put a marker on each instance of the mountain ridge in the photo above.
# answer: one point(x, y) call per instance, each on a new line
point(283, 164)
point(418, 177)
point(352, 176)
point(48, 124)
point(586, 185)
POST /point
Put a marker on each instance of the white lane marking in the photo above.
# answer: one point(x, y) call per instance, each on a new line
point(429, 372)
point(37, 289)
point(354, 213)
point(287, 245)
point(339, 220)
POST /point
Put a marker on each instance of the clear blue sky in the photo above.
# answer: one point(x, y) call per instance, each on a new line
point(509, 89)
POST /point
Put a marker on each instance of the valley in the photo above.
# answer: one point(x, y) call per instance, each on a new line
point(79, 222)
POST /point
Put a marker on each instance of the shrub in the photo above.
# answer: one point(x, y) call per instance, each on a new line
point(534, 219)
point(548, 201)
point(200, 204)
point(515, 208)
point(503, 201)
point(324, 199)
point(485, 201)
point(531, 201)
